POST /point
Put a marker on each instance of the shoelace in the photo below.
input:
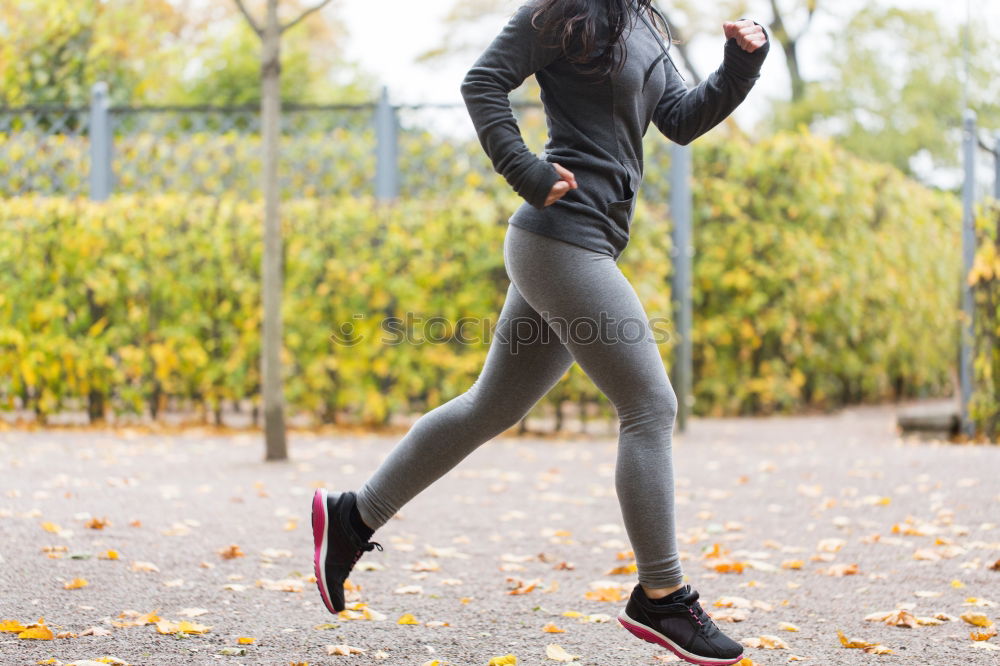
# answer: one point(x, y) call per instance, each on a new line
point(694, 607)
point(371, 545)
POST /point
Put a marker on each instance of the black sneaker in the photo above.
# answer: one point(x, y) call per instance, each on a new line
point(681, 625)
point(337, 545)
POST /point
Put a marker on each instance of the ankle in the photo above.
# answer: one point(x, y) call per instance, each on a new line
point(359, 525)
point(660, 592)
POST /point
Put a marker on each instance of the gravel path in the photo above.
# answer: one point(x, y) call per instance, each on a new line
point(517, 512)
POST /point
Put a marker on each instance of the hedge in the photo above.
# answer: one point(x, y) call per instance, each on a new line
point(984, 278)
point(819, 280)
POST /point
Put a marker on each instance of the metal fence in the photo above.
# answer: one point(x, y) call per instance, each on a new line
point(974, 147)
point(377, 148)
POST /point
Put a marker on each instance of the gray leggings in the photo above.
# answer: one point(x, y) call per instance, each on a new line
point(560, 297)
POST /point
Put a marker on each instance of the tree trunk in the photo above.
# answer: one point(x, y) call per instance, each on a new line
point(274, 410)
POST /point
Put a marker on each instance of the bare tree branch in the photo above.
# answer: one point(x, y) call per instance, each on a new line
point(304, 14)
point(249, 18)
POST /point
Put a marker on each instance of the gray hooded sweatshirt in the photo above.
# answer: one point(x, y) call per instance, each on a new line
point(595, 124)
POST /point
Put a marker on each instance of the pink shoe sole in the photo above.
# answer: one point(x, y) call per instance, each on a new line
point(647, 634)
point(319, 527)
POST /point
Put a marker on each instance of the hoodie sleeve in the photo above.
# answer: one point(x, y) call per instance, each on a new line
point(683, 115)
point(515, 54)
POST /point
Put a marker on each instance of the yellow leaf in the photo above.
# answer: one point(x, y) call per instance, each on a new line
point(109, 555)
point(787, 626)
point(407, 618)
point(244, 640)
point(768, 642)
point(75, 584)
point(867, 647)
point(551, 628)
point(957, 584)
point(557, 653)
point(50, 527)
point(976, 619)
point(12, 626)
point(503, 661)
point(605, 594)
point(135, 619)
point(168, 627)
point(37, 631)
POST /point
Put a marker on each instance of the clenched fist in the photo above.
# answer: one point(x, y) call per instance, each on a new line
point(748, 35)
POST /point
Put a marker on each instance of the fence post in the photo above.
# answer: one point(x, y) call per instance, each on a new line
point(100, 142)
point(683, 251)
point(969, 147)
point(386, 149)
point(996, 165)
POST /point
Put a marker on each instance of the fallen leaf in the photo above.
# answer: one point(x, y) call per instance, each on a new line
point(98, 523)
point(407, 618)
point(284, 585)
point(168, 627)
point(557, 653)
point(732, 602)
point(976, 619)
point(787, 626)
point(768, 642)
point(144, 566)
point(503, 661)
point(37, 631)
point(343, 650)
point(551, 628)
point(231, 552)
point(730, 615)
point(95, 631)
point(76, 584)
point(131, 618)
point(875, 648)
point(900, 617)
point(990, 632)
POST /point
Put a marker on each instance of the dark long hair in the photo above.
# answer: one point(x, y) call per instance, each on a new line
point(572, 25)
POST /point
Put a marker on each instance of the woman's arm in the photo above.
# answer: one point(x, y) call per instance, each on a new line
point(514, 55)
point(683, 115)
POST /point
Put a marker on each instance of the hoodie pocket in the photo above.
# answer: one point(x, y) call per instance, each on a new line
point(620, 211)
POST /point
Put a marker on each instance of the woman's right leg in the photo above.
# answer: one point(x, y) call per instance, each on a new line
point(524, 361)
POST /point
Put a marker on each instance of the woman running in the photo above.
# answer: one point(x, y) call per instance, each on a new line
point(605, 73)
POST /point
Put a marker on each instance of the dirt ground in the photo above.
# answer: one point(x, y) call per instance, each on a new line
point(919, 519)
